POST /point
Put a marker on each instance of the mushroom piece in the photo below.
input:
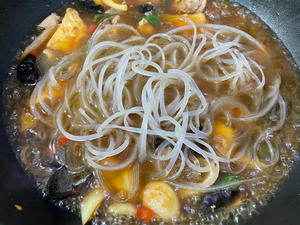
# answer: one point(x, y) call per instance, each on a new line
point(50, 21)
point(60, 184)
point(63, 183)
point(189, 6)
point(50, 25)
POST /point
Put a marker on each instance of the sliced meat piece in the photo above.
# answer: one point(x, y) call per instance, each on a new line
point(51, 20)
point(39, 41)
point(50, 25)
point(189, 6)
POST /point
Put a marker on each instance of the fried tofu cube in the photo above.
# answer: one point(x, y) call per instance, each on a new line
point(71, 33)
point(162, 199)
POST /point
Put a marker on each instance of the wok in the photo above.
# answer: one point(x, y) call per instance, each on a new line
point(18, 18)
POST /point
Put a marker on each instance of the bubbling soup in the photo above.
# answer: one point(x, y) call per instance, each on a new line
point(182, 112)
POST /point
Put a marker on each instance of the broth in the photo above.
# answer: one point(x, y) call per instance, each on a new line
point(35, 144)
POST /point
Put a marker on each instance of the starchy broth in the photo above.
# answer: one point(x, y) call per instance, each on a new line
point(241, 185)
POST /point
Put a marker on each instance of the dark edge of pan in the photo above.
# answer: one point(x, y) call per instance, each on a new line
point(17, 19)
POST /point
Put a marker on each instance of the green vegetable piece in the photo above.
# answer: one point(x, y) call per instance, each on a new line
point(138, 18)
point(264, 152)
point(99, 17)
point(230, 179)
point(153, 20)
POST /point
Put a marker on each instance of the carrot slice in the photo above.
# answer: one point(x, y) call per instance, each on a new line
point(63, 140)
point(35, 53)
point(92, 28)
point(144, 213)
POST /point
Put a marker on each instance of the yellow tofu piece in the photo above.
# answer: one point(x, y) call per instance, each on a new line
point(145, 28)
point(123, 181)
point(122, 209)
point(119, 181)
point(27, 121)
point(90, 204)
point(70, 34)
point(225, 132)
point(177, 19)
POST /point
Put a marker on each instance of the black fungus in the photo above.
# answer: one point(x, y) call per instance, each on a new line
point(63, 183)
point(27, 71)
point(200, 127)
point(157, 142)
point(146, 7)
point(60, 184)
point(91, 7)
point(217, 199)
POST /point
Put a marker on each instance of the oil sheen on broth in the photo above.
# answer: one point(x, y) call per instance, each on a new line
point(154, 112)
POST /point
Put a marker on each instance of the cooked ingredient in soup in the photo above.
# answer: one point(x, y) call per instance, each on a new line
point(174, 111)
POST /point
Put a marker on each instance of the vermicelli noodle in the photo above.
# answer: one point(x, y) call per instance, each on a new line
point(107, 103)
